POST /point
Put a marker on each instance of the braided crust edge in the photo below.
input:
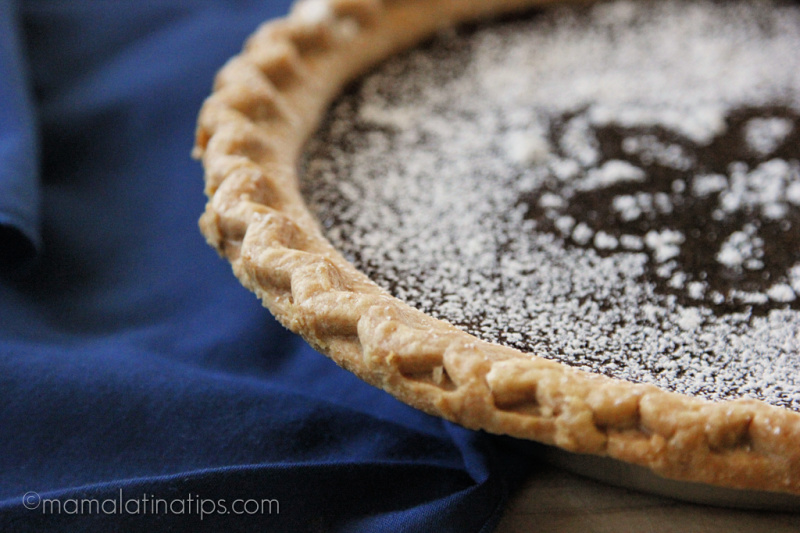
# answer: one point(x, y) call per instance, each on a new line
point(266, 101)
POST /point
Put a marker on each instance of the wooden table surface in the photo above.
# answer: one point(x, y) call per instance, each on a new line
point(555, 501)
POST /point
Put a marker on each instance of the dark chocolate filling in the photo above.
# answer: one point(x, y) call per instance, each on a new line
point(692, 214)
point(696, 342)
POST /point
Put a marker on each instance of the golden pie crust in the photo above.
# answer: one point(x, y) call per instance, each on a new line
point(265, 104)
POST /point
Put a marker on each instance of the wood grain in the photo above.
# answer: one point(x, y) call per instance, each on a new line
point(555, 501)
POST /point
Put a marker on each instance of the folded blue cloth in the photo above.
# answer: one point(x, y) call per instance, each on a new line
point(141, 387)
point(19, 178)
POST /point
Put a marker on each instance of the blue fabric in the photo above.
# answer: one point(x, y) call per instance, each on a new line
point(133, 366)
point(19, 195)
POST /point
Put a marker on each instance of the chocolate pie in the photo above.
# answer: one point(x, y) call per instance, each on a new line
point(576, 224)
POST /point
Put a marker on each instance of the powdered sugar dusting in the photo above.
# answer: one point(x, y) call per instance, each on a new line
point(555, 184)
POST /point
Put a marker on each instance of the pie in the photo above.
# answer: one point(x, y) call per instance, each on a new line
point(573, 224)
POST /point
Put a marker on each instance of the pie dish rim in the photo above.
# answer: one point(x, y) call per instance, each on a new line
point(266, 102)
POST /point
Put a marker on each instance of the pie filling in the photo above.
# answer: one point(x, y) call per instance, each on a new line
point(614, 186)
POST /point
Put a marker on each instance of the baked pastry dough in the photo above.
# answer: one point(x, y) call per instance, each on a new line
point(267, 102)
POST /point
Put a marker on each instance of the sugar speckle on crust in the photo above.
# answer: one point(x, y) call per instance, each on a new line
point(313, 12)
point(613, 186)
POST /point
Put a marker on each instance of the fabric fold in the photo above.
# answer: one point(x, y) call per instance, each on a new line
point(20, 238)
